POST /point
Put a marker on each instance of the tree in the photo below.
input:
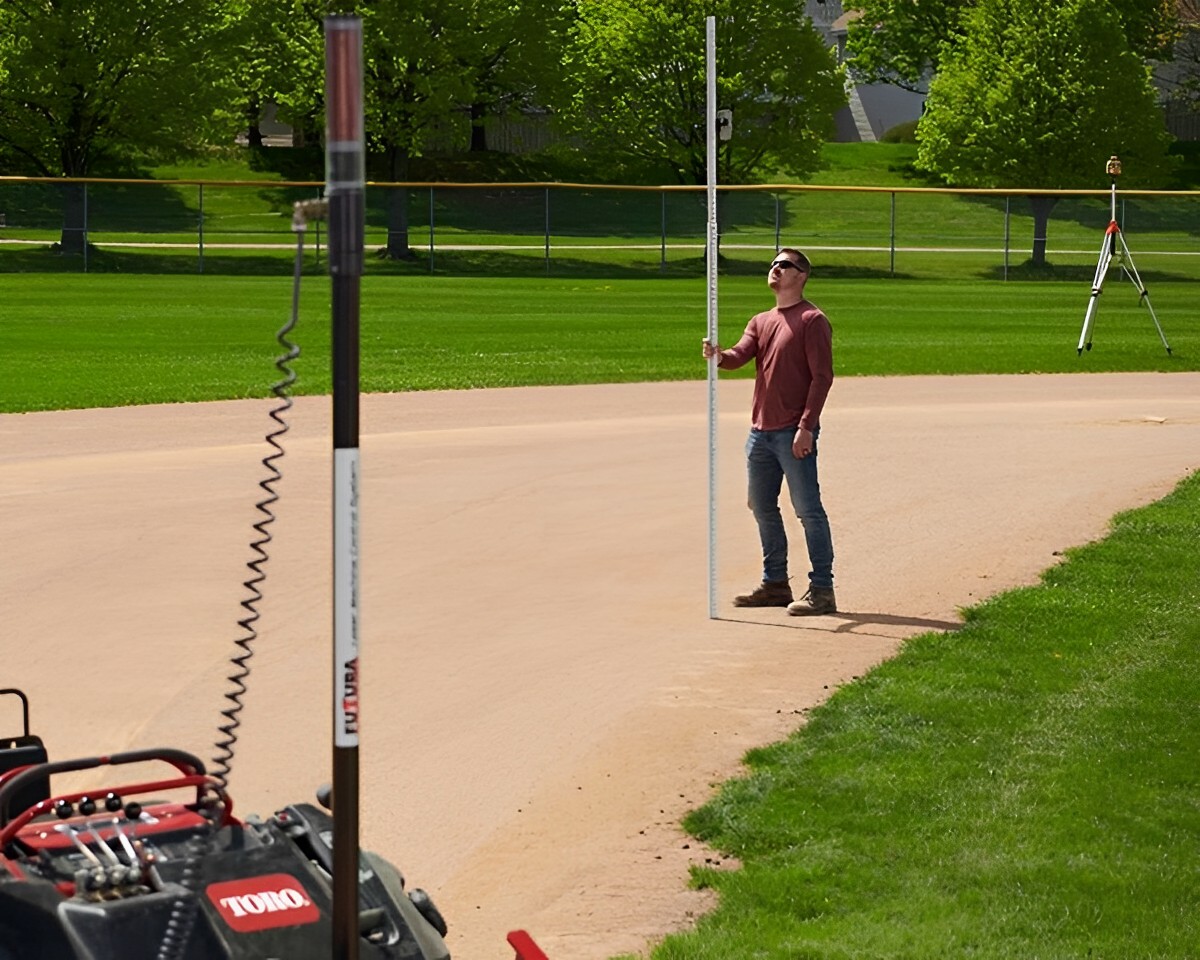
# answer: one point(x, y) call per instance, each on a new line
point(899, 41)
point(281, 57)
point(1183, 84)
point(91, 86)
point(903, 41)
point(260, 56)
point(414, 77)
point(634, 87)
point(516, 54)
point(410, 81)
point(424, 61)
point(1040, 97)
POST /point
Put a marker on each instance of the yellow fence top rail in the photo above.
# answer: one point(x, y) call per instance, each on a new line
point(674, 188)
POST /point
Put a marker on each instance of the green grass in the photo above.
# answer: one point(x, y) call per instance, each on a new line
point(1024, 787)
point(105, 340)
point(869, 165)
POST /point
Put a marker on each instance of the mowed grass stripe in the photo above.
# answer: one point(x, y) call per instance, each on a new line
point(82, 341)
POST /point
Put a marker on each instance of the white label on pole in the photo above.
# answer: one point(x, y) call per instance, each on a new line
point(346, 676)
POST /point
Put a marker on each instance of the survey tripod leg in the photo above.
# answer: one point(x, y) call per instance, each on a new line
point(1143, 294)
point(1089, 319)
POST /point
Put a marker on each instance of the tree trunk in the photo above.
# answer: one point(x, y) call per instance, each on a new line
point(397, 211)
point(478, 131)
point(254, 137)
point(75, 157)
point(305, 130)
point(1041, 207)
point(74, 229)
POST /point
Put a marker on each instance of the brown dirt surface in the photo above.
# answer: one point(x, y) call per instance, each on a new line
point(544, 693)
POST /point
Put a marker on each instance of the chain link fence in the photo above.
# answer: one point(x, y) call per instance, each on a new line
point(573, 230)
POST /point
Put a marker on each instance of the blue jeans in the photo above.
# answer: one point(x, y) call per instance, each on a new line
point(769, 459)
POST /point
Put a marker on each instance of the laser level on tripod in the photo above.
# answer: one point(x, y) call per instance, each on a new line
point(1114, 249)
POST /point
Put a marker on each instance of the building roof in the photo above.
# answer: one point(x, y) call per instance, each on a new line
point(841, 23)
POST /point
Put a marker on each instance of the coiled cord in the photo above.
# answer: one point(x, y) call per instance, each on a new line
point(224, 747)
point(183, 909)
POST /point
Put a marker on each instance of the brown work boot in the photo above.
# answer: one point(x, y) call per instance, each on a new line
point(817, 601)
point(769, 593)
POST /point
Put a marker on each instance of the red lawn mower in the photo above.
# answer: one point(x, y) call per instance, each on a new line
point(117, 872)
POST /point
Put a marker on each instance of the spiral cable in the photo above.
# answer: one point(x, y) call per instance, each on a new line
point(224, 747)
point(183, 909)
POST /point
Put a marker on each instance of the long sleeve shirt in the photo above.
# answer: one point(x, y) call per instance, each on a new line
point(793, 350)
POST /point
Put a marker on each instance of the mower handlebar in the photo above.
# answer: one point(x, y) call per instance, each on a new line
point(181, 760)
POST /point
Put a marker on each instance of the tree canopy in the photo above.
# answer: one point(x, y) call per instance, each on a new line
point(1039, 97)
point(633, 87)
point(899, 41)
point(95, 86)
point(1186, 82)
point(904, 41)
point(427, 65)
point(91, 85)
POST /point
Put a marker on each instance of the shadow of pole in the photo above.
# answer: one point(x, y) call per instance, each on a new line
point(887, 619)
point(851, 621)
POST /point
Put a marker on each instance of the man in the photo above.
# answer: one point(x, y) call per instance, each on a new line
point(792, 346)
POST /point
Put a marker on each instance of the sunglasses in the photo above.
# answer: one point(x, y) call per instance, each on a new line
point(786, 265)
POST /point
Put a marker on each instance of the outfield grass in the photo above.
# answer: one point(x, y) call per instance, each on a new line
point(1025, 787)
point(93, 341)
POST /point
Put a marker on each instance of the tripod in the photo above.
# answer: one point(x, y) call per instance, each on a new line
point(1110, 252)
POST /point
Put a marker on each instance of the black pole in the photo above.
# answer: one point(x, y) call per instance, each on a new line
point(344, 188)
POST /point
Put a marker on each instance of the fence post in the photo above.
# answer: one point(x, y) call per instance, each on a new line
point(431, 229)
point(778, 223)
point(892, 242)
point(547, 189)
point(317, 224)
point(85, 228)
point(200, 225)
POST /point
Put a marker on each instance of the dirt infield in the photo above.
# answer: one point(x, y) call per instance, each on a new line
point(544, 694)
